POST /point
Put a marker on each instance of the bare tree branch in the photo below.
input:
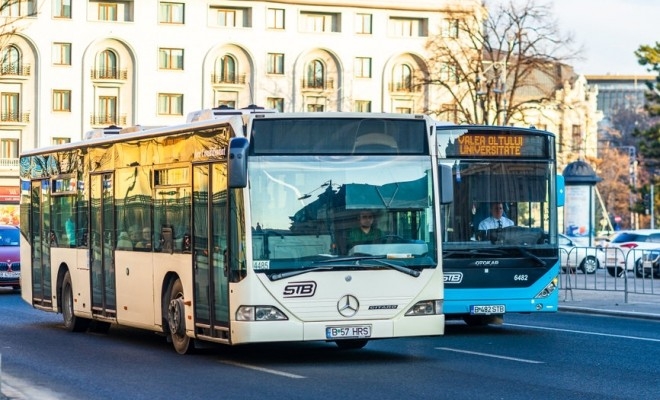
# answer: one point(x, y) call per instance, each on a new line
point(498, 64)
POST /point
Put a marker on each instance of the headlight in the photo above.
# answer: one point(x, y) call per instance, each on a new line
point(426, 307)
point(259, 313)
point(547, 291)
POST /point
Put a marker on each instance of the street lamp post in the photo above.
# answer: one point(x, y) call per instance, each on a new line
point(494, 86)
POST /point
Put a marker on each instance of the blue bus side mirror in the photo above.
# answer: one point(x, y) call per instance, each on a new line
point(238, 150)
point(561, 191)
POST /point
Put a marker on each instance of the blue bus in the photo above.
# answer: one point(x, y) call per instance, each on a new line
point(500, 247)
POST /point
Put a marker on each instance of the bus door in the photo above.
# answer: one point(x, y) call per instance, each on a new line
point(102, 238)
point(42, 238)
point(210, 215)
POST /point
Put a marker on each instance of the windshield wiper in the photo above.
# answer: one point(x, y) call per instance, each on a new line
point(289, 274)
point(378, 259)
point(532, 256)
point(345, 262)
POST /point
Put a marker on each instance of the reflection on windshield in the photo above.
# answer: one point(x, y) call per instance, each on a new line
point(309, 209)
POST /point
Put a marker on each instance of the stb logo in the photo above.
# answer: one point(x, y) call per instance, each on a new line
point(300, 289)
point(453, 277)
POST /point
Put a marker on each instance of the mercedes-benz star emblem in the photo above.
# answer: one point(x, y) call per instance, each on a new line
point(348, 306)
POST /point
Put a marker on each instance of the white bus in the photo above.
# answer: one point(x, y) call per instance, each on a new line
point(234, 229)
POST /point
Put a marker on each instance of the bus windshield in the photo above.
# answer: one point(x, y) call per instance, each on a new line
point(503, 191)
point(306, 209)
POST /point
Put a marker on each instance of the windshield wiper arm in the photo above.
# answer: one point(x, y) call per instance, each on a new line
point(409, 271)
point(289, 274)
point(532, 256)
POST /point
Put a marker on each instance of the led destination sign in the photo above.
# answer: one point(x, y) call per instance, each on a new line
point(493, 144)
point(490, 145)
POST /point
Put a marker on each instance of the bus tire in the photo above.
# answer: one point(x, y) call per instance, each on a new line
point(176, 320)
point(483, 320)
point(351, 344)
point(71, 322)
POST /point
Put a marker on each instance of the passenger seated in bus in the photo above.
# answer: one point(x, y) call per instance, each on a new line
point(124, 242)
point(134, 234)
point(365, 233)
point(145, 241)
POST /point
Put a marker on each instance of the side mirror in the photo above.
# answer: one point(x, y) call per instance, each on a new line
point(561, 191)
point(238, 149)
point(446, 184)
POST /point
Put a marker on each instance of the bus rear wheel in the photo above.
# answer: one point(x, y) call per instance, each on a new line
point(176, 320)
point(71, 322)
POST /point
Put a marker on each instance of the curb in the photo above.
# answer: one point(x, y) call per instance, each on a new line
point(614, 313)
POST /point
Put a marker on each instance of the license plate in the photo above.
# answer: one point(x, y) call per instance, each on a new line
point(348, 332)
point(647, 264)
point(7, 274)
point(497, 309)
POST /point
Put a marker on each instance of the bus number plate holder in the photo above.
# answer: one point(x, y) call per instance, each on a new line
point(348, 332)
point(487, 310)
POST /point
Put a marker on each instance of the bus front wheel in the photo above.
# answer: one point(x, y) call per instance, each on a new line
point(176, 320)
point(71, 322)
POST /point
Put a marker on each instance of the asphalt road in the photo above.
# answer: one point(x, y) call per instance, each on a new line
point(550, 356)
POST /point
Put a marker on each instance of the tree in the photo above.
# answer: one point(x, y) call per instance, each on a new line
point(616, 189)
point(494, 65)
point(649, 136)
point(650, 58)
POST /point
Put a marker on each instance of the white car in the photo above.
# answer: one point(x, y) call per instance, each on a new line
point(578, 258)
point(627, 249)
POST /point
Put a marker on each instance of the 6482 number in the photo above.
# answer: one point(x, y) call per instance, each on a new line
point(520, 277)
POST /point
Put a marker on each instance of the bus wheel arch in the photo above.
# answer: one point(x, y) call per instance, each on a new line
point(175, 317)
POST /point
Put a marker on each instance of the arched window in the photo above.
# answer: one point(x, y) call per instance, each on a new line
point(106, 65)
point(11, 61)
point(226, 69)
point(315, 75)
point(402, 78)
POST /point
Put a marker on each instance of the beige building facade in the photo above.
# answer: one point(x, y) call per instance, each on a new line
point(74, 66)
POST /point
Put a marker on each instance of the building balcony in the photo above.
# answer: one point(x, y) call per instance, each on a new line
point(318, 84)
point(403, 87)
point(9, 163)
point(21, 118)
point(235, 79)
point(112, 74)
point(15, 71)
point(102, 120)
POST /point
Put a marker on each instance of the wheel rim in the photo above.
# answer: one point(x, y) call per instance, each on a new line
point(175, 317)
point(590, 265)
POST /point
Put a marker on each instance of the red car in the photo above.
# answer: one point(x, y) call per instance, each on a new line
point(10, 256)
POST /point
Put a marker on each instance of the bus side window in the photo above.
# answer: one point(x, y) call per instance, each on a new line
point(167, 239)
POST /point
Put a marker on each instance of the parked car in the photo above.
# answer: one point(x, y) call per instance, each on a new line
point(649, 265)
point(10, 256)
point(578, 258)
point(627, 248)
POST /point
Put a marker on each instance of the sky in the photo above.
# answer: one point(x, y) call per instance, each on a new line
point(609, 31)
